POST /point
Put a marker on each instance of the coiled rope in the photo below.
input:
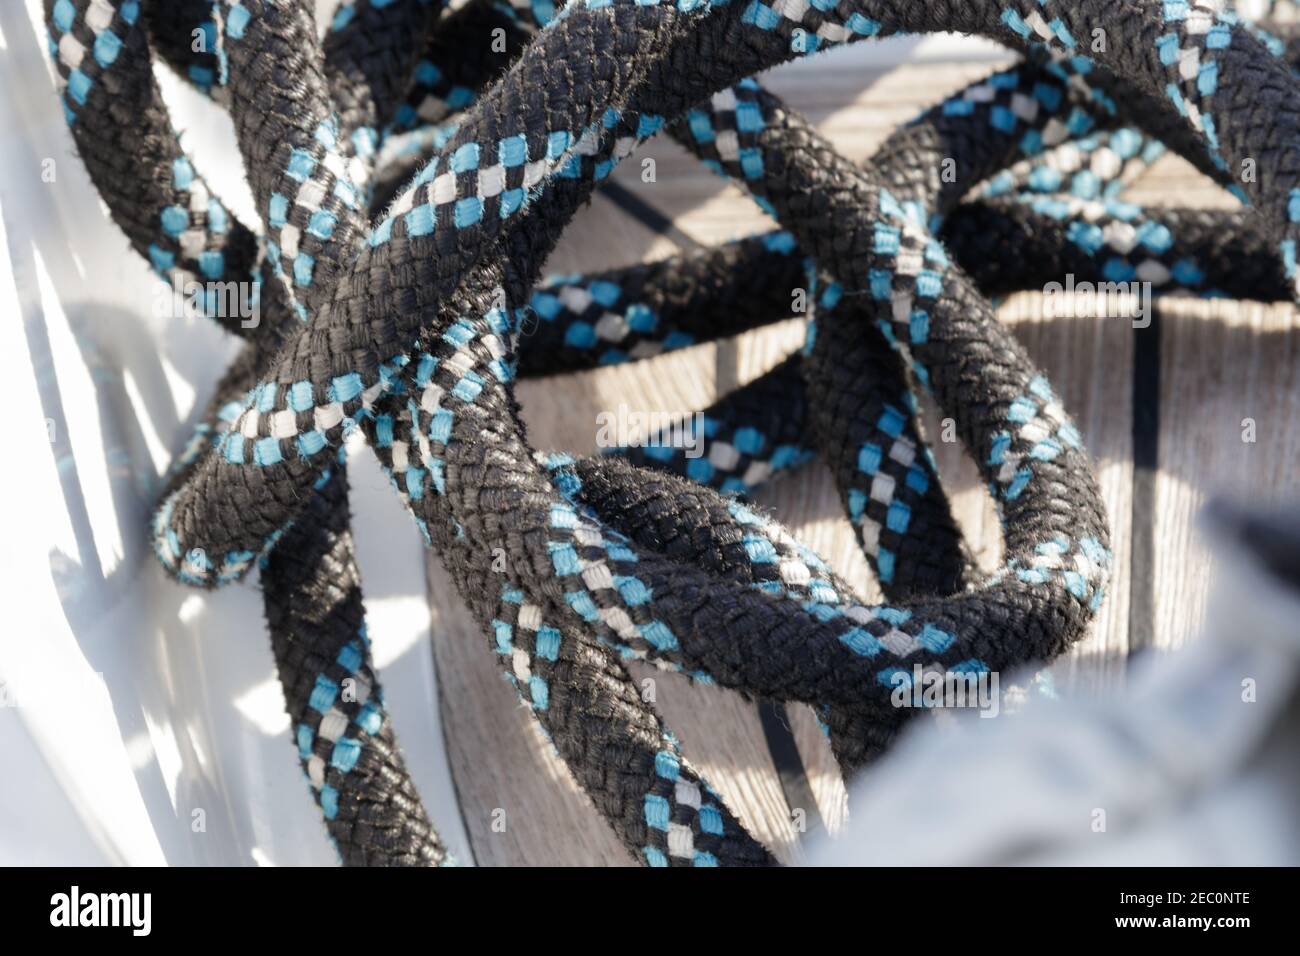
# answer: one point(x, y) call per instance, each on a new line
point(408, 198)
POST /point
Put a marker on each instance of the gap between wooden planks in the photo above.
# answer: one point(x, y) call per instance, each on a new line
point(1220, 363)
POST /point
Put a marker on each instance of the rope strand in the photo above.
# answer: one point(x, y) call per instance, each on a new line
point(411, 326)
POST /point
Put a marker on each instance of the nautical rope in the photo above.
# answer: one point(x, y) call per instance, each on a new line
point(409, 188)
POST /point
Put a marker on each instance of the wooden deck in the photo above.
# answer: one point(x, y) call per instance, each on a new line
point(1216, 364)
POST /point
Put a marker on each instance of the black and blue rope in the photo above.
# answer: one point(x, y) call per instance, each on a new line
point(409, 327)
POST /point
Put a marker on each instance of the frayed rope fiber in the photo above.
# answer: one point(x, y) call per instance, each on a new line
point(410, 187)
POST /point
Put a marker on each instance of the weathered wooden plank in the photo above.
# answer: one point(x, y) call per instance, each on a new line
point(1089, 361)
point(1226, 366)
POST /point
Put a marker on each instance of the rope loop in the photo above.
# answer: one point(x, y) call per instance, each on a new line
point(409, 188)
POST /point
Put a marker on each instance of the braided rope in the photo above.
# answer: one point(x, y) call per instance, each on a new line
point(411, 326)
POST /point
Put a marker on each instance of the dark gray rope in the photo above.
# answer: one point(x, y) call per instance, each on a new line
point(409, 327)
